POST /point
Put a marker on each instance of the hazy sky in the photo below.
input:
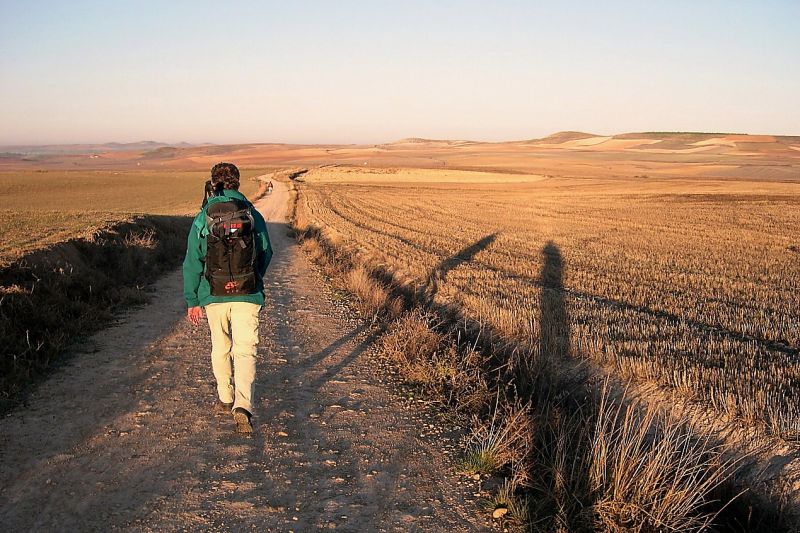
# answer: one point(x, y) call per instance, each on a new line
point(375, 71)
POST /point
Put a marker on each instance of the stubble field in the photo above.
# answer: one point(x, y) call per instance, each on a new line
point(46, 207)
point(685, 290)
point(693, 285)
point(660, 267)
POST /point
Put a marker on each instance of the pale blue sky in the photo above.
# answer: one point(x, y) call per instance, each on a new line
point(375, 71)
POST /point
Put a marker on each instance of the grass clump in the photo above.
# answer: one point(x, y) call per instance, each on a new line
point(649, 473)
point(620, 466)
point(510, 507)
point(503, 444)
point(481, 459)
point(373, 299)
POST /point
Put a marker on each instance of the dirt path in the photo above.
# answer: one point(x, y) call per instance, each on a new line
point(124, 436)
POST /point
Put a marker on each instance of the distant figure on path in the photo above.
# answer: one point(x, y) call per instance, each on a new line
point(269, 188)
point(226, 258)
point(210, 191)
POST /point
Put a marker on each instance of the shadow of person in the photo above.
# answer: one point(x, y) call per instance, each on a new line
point(554, 340)
point(563, 448)
point(465, 255)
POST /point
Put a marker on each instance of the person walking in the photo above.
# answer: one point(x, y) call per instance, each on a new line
point(208, 192)
point(227, 255)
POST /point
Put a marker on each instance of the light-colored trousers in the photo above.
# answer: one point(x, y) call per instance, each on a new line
point(234, 337)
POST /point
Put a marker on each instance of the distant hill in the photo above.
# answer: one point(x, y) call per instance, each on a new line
point(578, 141)
point(726, 141)
point(420, 140)
point(564, 136)
point(50, 149)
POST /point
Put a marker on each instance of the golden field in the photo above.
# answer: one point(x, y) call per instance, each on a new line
point(46, 207)
point(638, 336)
point(679, 250)
point(692, 284)
point(628, 304)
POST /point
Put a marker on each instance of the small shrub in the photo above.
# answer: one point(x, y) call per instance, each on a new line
point(649, 473)
point(517, 505)
point(481, 458)
point(372, 298)
point(503, 443)
point(410, 339)
point(142, 239)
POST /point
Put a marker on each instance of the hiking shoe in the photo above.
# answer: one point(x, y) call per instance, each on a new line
point(222, 407)
point(242, 418)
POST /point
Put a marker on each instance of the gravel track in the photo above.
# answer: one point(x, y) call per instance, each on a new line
point(124, 436)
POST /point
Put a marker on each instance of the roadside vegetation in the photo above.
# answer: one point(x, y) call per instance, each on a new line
point(552, 315)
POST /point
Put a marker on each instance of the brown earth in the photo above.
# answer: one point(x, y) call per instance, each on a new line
point(124, 437)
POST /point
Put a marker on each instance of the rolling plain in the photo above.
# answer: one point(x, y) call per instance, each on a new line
point(663, 267)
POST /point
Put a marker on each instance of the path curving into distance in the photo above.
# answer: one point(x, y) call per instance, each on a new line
point(124, 436)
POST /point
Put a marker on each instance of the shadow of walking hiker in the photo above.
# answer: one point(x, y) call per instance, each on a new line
point(561, 443)
point(554, 341)
point(536, 378)
point(465, 255)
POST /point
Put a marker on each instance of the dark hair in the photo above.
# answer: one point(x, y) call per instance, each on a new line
point(225, 175)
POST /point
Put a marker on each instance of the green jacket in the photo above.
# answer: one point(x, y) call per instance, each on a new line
point(196, 290)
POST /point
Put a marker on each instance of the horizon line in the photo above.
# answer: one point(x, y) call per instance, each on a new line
point(422, 139)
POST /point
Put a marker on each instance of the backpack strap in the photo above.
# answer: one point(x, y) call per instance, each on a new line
point(210, 220)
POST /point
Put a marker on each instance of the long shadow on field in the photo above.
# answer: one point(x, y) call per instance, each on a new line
point(564, 402)
point(560, 445)
point(465, 255)
point(553, 314)
point(566, 412)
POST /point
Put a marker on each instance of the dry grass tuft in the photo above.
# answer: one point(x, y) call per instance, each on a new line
point(516, 505)
point(371, 297)
point(504, 443)
point(622, 466)
point(143, 239)
point(649, 473)
point(423, 355)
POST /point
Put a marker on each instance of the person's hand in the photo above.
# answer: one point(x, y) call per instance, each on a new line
point(194, 315)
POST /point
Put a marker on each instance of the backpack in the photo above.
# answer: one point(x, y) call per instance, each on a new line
point(230, 266)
